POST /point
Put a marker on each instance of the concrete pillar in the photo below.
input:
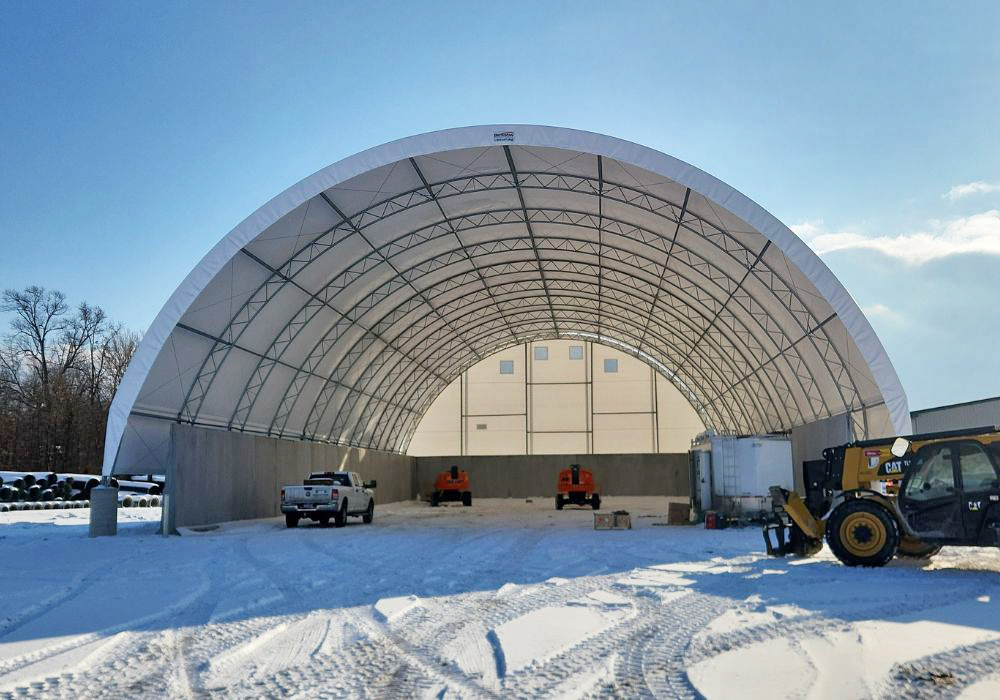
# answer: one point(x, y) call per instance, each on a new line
point(103, 511)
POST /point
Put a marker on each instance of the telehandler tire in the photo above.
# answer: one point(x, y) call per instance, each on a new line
point(291, 520)
point(862, 532)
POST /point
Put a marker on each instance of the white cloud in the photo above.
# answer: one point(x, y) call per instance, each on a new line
point(976, 234)
point(883, 313)
point(878, 310)
point(971, 188)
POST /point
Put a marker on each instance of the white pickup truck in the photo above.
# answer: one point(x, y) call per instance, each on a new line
point(326, 495)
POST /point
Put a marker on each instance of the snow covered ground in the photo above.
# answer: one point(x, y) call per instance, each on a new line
point(504, 599)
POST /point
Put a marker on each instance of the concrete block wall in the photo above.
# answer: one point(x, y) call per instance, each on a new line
point(521, 476)
point(216, 475)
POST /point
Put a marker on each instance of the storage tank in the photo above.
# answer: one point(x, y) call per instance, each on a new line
point(732, 475)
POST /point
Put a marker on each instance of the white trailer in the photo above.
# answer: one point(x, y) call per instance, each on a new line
point(733, 475)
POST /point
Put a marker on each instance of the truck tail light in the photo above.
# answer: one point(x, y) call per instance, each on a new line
point(334, 492)
point(282, 494)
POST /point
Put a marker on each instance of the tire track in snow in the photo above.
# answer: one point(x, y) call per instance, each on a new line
point(120, 661)
point(944, 674)
point(817, 624)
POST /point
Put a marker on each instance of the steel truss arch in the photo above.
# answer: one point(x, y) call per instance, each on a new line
point(343, 307)
point(665, 309)
point(578, 224)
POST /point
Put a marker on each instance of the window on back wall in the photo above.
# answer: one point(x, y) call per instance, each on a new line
point(541, 352)
point(506, 366)
point(576, 352)
point(610, 366)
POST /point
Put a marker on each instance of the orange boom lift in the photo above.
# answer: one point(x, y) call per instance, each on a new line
point(576, 485)
point(451, 485)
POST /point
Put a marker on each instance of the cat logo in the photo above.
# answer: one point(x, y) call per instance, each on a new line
point(975, 506)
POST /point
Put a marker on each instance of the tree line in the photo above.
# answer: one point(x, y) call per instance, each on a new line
point(59, 369)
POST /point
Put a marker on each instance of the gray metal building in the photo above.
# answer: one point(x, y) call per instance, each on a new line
point(970, 414)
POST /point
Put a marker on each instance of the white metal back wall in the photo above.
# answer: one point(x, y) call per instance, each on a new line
point(342, 308)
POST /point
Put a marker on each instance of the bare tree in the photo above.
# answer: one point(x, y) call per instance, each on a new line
point(39, 318)
point(59, 371)
point(118, 351)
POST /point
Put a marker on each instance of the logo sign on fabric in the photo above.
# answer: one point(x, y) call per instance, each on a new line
point(503, 136)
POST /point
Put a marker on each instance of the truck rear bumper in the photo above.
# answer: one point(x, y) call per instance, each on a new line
point(308, 508)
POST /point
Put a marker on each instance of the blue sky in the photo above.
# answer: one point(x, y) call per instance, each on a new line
point(134, 135)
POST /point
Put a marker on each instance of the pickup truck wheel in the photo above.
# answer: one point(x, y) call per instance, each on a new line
point(324, 521)
point(340, 519)
point(370, 513)
point(291, 520)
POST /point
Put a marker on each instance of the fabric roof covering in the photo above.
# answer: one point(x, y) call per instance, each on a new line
point(340, 309)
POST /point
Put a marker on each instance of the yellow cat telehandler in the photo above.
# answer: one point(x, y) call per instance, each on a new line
point(875, 499)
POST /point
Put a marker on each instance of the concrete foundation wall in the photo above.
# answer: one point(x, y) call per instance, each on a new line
point(216, 475)
point(519, 476)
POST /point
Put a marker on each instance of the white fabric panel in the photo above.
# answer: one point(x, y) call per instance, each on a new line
point(280, 241)
point(361, 281)
point(480, 201)
point(553, 160)
point(268, 399)
point(334, 353)
point(172, 372)
point(386, 228)
point(332, 262)
point(220, 401)
point(380, 184)
point(298, 411)
point(284, 303)
point(582, 201)
point(321, 320)
point(462, 162)
point(223, 296)
point(145, 446)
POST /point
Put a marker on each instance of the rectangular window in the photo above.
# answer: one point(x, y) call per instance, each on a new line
point(576, 352)
point(541, 352)
point(610, 366)
point(506, 366)
point(480, 426)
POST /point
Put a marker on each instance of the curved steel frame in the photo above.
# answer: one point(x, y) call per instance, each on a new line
point(705, 306)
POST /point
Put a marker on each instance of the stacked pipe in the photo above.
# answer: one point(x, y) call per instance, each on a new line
point(47, 490)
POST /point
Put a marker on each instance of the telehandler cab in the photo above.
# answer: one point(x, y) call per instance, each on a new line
point(879, 498)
